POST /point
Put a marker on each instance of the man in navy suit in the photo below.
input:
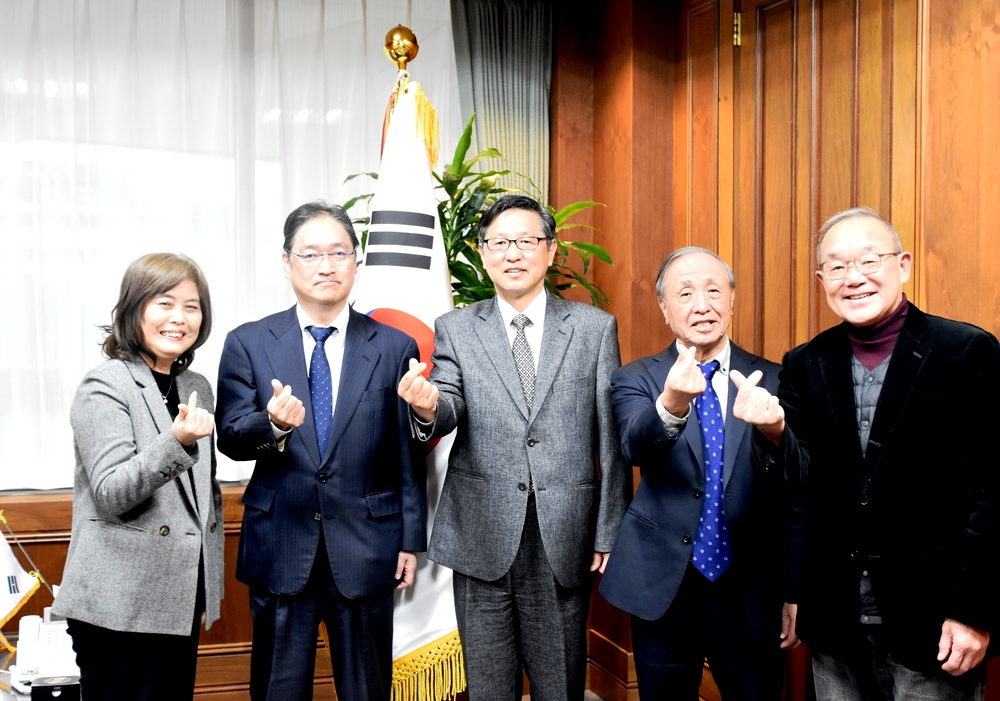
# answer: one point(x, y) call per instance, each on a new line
point(336, 506)
point(702, 559)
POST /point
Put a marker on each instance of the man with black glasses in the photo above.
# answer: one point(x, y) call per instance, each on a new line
point(525, 516)
point(892, 414)
point(336, 506)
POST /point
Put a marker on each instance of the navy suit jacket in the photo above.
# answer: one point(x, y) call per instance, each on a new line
point(657, 534)
point(367, 493)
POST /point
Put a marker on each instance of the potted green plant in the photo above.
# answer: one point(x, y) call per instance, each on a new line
point(468, 193)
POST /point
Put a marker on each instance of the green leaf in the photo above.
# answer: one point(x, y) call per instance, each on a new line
point(463, 146)
point(354, 200)
point(569, 210)
point(592, 249)
point(349, 178)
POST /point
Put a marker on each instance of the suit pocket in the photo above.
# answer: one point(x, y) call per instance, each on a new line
point(116, 526)
point(571, 384)
point(257, 496)
point(641, 517)
point(382, 504)
point(458, 472)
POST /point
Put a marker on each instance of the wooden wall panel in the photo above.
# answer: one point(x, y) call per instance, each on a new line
point(960, 193)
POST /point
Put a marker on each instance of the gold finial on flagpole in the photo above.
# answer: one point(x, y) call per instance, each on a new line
point(401, 46)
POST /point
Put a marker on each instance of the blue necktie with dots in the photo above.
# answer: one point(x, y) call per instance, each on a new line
point(711, 554)
point(320, 387)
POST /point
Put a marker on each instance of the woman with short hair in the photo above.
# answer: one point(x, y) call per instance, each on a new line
point(145, 562)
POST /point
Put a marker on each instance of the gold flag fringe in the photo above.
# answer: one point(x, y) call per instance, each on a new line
point(434, 672)
point(427, 122)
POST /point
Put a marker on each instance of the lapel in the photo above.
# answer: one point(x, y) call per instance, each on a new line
point(555, 340)
point(735, 428)
point(908, 360)
point(143, 377)
point(838, 384)
point(360, 358)
point(286, 355)
point(493, 336)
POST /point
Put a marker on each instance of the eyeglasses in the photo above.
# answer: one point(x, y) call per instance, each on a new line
point(309, 261)
point(868, 264)
point(525, 243)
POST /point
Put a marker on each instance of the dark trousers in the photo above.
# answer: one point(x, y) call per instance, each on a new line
point(527, 619)
point(122, 666)
point(705, 620)
point(285, 628)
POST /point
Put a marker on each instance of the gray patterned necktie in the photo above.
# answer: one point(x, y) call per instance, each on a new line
point(522, 358)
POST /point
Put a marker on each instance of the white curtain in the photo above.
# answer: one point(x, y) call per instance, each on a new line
point(191, 126)
point(504, 50)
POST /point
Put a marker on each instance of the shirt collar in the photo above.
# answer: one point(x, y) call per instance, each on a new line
point(340, 323)
point(723, 356)
point(534, 311)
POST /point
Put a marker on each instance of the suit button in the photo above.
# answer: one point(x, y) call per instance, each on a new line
point(532, 442)
point(864, 500)
point(687, 539)
point(698, 493)
point(317, 517)
point(212, 529)
point(522, 486)
point(323, 477)
point(164, 530)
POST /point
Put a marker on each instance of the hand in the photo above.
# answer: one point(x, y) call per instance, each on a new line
point(418, 392)
point(406, 568)
point(684, 383)
point(757, 406)
point(600, 562)
point(789, 640)
point(961, 647)
point(284, 408)
point(192, 423)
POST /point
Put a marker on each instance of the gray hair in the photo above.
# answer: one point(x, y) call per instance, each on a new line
point(856, 213)
point(681, 252)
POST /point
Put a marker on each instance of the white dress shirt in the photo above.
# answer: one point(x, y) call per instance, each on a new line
point(535, 311)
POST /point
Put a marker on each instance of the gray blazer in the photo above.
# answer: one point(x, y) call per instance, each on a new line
point(138, 531)
point(568, 433)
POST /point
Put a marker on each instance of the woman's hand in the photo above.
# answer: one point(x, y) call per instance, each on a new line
point(192, 423)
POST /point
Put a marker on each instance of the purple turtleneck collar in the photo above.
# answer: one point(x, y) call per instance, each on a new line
point(873, 344)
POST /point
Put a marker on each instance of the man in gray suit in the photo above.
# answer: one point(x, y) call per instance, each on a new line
point(525, 515)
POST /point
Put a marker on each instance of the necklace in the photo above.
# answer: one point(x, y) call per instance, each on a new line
point(169, 387)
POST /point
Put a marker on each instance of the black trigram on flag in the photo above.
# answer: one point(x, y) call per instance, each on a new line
point(12, 584)
point(400, 229)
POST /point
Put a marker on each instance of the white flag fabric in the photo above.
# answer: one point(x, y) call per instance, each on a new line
point(404, 281)
point(16, 584)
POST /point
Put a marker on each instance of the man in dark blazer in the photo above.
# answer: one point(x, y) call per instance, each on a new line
point(702, 576)
point(525, 515)
point(893, 411)
point(336, 505)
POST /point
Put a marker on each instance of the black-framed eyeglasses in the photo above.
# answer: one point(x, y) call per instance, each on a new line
point(868, 264)
point(312, 260)
point(524, 243)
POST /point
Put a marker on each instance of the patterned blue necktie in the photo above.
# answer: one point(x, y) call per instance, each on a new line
point(711, 554)
point(320, 387)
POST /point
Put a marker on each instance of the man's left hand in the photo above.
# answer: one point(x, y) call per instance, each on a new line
point(757, 406)
point(961, 647)
point(406, 568)
point(789, 640)
point(600, 562)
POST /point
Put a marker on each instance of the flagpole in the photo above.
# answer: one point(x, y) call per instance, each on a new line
point(35, 572)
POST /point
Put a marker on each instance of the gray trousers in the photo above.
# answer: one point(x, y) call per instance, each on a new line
point(875, 676)
point(527, 619)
